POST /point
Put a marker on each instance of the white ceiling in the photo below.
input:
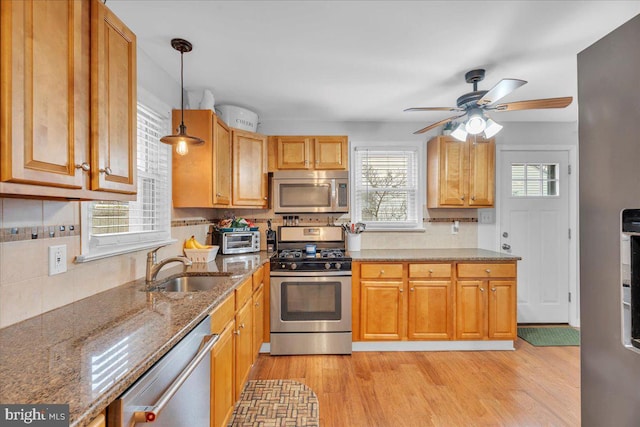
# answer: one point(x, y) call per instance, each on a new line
point(369, 60)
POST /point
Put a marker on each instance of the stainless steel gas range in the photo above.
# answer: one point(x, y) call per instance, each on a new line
point(310, 292)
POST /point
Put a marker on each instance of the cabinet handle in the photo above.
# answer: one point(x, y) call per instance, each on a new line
point(412, 289)
point(106, 171)
point(218, 195)
point(401, 290)
point(237, 332)
point(242, 326)
point(473, 198)
point(481, 289)
point(430, 271)
point(488, 271)
point(257, 304)
point(265, 197)
point(381, 272)
point(84, 166)
point(493, 289)
point(462, 198)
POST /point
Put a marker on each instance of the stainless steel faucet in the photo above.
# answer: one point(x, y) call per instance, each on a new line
point(153, 267)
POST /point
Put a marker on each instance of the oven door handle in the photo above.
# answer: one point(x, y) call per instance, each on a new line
point(148, 414)
point(310, 273)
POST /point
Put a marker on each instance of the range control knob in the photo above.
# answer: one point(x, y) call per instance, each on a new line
point(293, 266)
point(338, 265)
point(327, 266)
point(283, 266)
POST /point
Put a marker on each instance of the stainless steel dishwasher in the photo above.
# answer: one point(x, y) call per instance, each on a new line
point(175, 392)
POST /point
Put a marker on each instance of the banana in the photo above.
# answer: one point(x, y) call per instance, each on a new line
point(189, 243)
point(198, 245)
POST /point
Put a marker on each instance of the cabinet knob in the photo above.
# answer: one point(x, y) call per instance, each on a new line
point(488, 271)
point(481, 289)
point(242, 326)
point(381, 272)
point(473, 198)
point(106, 171)
point(412, 289)
point(218, 195)
point(401, 290)
point(257, 304)
point(493, 289)
point(237, 332)
point(265, 197)
point(84, 166)
point(462, 198)
point(430, 271)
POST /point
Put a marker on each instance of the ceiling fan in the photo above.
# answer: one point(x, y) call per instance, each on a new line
point(476, 103)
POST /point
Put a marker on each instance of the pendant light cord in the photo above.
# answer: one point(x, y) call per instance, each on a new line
point(182, 87)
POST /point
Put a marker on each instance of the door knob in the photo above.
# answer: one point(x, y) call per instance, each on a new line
point(506, 247)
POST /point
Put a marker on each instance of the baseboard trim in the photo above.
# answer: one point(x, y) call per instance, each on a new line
point(502, 345)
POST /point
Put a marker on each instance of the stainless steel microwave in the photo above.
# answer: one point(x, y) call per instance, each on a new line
point(310, 191)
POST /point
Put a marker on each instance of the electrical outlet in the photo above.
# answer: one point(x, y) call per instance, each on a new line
point(57, 259)
point(455, 227)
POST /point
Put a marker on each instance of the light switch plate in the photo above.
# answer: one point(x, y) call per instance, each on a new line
point(57, 259)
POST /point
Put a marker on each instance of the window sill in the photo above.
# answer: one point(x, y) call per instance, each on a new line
point(106, 253)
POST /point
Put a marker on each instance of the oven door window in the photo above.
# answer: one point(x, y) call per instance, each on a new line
point(294, 195)
point(239, 241)
point(310, 301)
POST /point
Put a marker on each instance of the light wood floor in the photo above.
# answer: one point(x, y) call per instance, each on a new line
point(532, 386)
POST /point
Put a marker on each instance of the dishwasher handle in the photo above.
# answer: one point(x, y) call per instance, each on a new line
point(148, 414)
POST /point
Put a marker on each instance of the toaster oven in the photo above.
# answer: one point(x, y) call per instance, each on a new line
point(237, 242)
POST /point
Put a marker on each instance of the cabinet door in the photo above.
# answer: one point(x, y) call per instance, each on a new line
point(243, 343)
point(453, 165)
point(222, 379)
point(293, 152)
point(44, 92)
point(382, 310)
point(470, 309)
point(222, 164)
point(330, 152)
point(258, 320)
point(502, 309)
point(481, 173)
point(430, 310)
point(192, 174)
point(249, 169)
point(113, 102)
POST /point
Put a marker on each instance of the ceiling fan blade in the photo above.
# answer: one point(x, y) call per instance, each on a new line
point(534, 104)
point(436, 124)
point(503, 88)
point(434, 109)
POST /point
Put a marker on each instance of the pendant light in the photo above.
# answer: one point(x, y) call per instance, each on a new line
point(182, 140)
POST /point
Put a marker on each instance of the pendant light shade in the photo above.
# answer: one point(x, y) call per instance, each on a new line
point(181, 140)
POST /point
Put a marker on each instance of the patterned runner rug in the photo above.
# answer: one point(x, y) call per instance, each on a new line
point(545, 337)
point(276, 403)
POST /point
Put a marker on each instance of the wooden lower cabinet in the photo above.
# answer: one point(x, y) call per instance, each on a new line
point(258, 319)
point(99, 421)
point(434, 301)
point(243, 346)
point(430, 310)
point(222, 378)
point(382, 310)
point(486, 301)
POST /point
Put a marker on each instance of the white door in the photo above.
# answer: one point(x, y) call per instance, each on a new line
point(534, 224)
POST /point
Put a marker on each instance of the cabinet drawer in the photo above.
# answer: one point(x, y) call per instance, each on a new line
point(258, 277)
point(381, 271)
point(243, 292)
point(429, 270)
point(222, 314)
point(487, 270)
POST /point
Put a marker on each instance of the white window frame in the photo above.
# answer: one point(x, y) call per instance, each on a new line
point(419, 147)
point(103, 246)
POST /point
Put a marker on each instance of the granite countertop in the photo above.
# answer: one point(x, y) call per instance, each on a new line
point(59, 356)
point(462, 254)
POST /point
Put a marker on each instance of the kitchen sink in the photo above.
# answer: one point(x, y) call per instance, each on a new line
point(190, 283)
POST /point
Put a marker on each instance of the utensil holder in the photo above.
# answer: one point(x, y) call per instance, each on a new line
point(353, 242)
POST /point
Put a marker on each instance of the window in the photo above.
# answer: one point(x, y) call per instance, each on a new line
point(117, 227)
point(386, 189)
point(534, 180)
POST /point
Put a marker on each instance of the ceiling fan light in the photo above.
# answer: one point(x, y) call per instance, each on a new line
point(475, 124)
point(460, 133)
point(492, 129)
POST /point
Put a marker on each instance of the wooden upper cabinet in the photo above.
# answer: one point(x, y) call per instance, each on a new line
point(222, 163)
point(202, 177)
point(249, 153)
point(308, 153)
point(113, 102)
point(44, 92)
point(67, 101)
point(460, 174)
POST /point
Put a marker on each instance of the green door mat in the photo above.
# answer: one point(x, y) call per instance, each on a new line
point(544, 337)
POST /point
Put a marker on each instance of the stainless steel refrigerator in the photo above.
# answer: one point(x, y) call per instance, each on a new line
point(609, 181)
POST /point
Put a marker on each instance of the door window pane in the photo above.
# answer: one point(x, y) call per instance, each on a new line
point(534, 180)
